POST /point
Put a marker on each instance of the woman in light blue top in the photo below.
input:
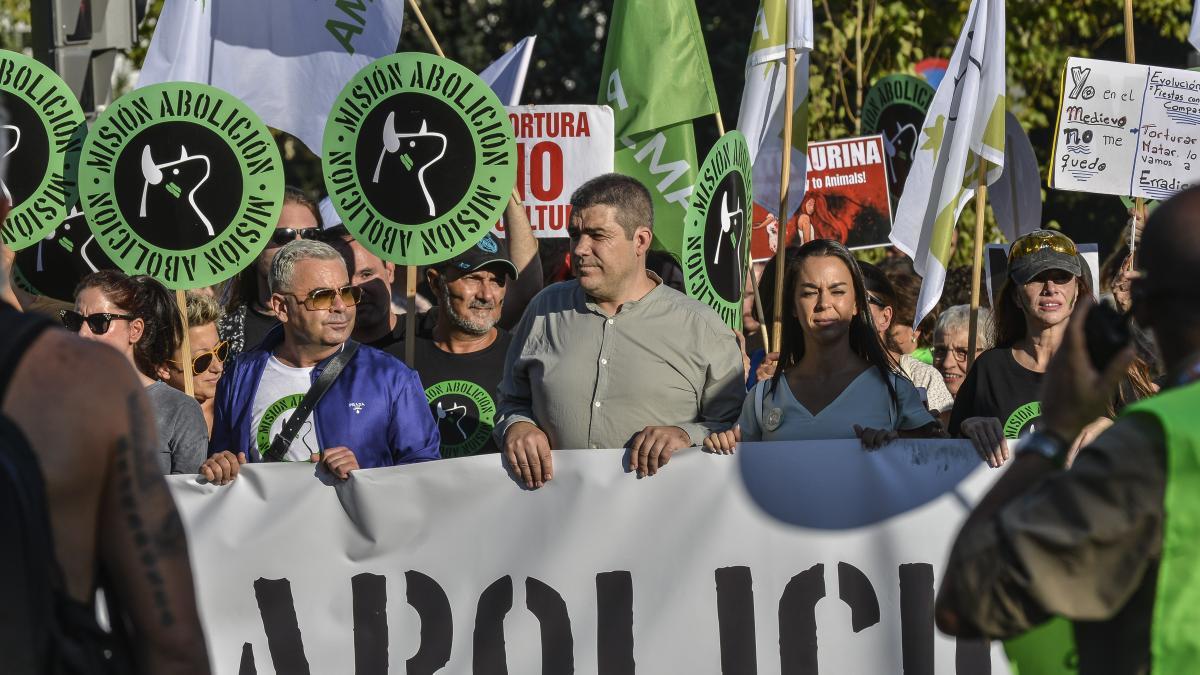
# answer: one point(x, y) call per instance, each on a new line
point(835, 379)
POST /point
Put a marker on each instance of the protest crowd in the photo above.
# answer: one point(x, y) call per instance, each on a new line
point(1074, 383)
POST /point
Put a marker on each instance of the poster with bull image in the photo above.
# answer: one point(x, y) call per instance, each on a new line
point(716, 231)
point(419, 158)
point(181, 181)
point(42, 136)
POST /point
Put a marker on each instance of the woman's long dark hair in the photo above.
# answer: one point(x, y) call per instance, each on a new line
point(864, 341)
point(150, 301)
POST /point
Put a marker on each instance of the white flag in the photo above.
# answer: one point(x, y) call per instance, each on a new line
point(506, 75)
point(1194, 35)
point(964, 125)
point(287, 60)
point(761, 116)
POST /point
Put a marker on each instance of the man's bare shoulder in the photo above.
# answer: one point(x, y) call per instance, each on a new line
point(64, 383)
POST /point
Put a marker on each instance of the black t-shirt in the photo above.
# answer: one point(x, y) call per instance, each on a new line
point(999, 387)
point(462, 391)
point(425, 322)
point(256, 328)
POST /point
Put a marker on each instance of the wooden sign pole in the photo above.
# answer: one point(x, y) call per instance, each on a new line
point(784, 180)
point(184, 357)
point(977, 267)
point(1139, 204)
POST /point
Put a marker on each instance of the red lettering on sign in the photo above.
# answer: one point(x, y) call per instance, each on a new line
point(546, 171)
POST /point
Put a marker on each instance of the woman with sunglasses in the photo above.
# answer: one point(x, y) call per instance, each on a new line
point(138, 317)
point(248, 315)
point(998, 400)
point(207, 360)
point(835, 380)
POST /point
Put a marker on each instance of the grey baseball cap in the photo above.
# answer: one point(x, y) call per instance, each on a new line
point(1042, 250)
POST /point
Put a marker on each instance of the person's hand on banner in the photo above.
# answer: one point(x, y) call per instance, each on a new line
point(1074, 394)
point(873, 439)
point(987, 435)
point(527, 449)
point(340, 461)
point(652, 447)
point(222, 468)
point(724, 442)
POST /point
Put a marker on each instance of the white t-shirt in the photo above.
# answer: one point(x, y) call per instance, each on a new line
point(279, 394)
point(865, 402)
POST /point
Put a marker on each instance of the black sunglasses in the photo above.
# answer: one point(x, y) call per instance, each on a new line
point(98, 323)
point(283, 235)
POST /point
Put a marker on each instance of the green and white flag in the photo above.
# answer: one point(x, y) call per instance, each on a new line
point(287, 60)
point(761, 116)
point(964, 126)
point(657, 80)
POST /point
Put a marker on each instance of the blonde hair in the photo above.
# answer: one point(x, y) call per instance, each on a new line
point(202, 309)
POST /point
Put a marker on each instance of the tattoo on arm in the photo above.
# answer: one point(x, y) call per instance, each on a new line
point(138, 480)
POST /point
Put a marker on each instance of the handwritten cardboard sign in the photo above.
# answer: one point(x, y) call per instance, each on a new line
point(1126, 129)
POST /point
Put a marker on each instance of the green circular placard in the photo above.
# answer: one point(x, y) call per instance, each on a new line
point(716, 241)
point(181, 181)
point(895, 107)
point(44, 133)
point(468, 413)
point(419, 158)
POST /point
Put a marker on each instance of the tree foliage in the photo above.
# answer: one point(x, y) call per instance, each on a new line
point(857, 42)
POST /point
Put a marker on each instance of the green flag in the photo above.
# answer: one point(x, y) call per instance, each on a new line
point(657, 79)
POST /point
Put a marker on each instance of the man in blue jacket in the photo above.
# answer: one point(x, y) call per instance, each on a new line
point(373, 415)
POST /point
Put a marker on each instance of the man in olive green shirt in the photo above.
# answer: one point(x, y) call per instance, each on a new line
point(615, 358)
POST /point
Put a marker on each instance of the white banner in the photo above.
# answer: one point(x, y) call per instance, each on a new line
point(559, 148)
point(1125, 129)
point(787, 557)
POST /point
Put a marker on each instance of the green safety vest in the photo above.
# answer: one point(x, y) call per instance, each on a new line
point(1175, 636)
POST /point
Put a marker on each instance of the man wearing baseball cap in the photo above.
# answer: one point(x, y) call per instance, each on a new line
point(462, 364)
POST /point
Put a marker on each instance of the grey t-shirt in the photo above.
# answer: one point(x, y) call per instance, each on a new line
point(182, 431)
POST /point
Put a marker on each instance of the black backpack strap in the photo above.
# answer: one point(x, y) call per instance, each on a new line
point(283, 440)
point(20, 330)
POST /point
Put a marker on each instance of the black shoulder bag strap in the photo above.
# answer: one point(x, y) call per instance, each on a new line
point(283, 440)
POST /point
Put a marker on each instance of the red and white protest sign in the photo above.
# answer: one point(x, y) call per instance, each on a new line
point(845, 198)
point(559, 148)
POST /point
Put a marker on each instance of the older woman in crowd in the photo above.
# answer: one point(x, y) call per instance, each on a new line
point(950, 343)
point(835, 380)
point(207, 360)
point(139, 318)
